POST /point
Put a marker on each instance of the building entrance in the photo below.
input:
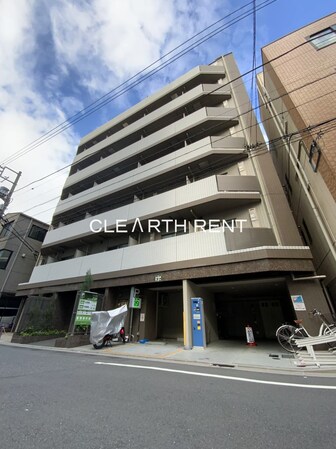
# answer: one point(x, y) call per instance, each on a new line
point(170, 314)
point(264, 305)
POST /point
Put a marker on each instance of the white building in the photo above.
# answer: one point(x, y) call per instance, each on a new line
point(181, 155)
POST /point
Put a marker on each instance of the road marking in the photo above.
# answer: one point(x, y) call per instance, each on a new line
point(219, 376)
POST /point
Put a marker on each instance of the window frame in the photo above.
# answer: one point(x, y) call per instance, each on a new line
point(39, 229)
point(6, 229)
point(8, 258)
point(314, 155)
point(319, 34)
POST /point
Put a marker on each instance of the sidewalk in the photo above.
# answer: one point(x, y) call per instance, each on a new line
point(266, 357)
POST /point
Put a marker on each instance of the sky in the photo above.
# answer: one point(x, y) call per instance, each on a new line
point(57, 57)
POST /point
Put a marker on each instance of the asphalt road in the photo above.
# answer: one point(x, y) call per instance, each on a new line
point(65, 400)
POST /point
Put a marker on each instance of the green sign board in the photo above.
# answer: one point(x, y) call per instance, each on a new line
point(135, 300)
point(136, 303)
point(86, 305)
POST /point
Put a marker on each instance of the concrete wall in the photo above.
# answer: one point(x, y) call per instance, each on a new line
point(313, 298)
point(249, 238)
point(170, 316)
point(148, 328)
point(45, 312)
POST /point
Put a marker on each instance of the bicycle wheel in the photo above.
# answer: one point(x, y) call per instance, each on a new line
point(285, 335)
point(331, 329)
point(100, 344)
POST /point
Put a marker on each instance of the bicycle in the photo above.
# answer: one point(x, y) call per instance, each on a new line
point(287, 333)
point(108, 339)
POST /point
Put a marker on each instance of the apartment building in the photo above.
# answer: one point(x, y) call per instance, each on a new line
point(298, 97)
point(172, 197)
point(21, 238)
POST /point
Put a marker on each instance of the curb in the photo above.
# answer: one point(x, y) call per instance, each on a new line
point(295, 371)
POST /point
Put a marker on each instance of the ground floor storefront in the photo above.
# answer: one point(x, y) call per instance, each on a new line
point(167, 310)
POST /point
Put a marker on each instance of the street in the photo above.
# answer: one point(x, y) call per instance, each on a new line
point(57, 399)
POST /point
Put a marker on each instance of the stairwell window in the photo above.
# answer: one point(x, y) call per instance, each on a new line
point(5, 255)
point(323, 38)
point(314, 155)
point(6, 229)
point(37, 233)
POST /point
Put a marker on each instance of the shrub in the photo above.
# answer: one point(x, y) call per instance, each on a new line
point(32, 332)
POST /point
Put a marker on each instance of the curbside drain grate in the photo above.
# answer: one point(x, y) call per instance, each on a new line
point(221, 365)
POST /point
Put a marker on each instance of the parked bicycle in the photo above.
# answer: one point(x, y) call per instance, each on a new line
point(287, 333)
point(108, 339)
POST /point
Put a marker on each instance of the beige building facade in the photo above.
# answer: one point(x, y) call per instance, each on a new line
point(297, 94)
point(181, 160)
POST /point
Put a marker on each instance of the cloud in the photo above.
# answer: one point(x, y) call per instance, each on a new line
point(62, 55)
point(25, 114)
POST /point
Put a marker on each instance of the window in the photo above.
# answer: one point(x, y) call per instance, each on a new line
point(307, 234)
point(5, 255)
point(323, 38)
point(314, 155)
point(37, 233)
point(289, 187)
point(6, 229)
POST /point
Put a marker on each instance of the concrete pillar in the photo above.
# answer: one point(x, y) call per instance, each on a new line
point(192, 290)
point(109, 301)
point(187, 332)
point(132, 241)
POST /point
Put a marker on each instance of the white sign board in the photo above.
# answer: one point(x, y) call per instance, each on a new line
point(298, 302)
point(142, 317)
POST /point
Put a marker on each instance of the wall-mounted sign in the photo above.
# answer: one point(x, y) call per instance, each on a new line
point(142, 317)
point(86, 305)
point(298, 302)
point(158, 278)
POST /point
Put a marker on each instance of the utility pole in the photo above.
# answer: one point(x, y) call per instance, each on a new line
point(6, 193)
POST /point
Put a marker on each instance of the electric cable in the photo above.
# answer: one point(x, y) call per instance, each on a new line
point(209, 93)
point(31, 147)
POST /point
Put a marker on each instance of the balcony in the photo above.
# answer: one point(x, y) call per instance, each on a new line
point(189, 247)
point(185, 83)
point(202, 196)
point(186, 251)
point(228, 149)
point(195, 126)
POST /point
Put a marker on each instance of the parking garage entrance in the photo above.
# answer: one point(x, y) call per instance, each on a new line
point(264, 305)
point(229, 306)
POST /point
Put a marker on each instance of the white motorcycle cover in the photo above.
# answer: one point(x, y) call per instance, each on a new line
point(109, 322)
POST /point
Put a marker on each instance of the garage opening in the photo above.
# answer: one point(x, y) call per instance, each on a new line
point(263, 305)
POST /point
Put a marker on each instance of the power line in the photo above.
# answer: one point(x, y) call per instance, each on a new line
point(17, 235)
point(209, 93)
point(233, 118)
point(215, 89)
point(73, 120)
point(221, 138)
point(280, 140)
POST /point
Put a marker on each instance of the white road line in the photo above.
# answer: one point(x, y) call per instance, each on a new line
point(219, 376)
